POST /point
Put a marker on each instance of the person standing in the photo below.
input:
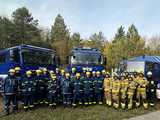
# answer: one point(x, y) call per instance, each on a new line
point(151, 89)
point(10, 88)
point(108, 89)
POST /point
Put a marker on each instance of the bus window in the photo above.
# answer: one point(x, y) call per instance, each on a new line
point(2, 58)
point(14, 55)
point(37, 58)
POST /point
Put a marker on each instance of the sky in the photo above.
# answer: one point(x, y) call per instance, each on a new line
point(90, 16)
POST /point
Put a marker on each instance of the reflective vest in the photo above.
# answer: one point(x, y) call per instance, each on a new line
point(116, 86)
point(107, 84)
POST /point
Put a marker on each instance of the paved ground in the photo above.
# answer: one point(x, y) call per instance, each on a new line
point(149, 116)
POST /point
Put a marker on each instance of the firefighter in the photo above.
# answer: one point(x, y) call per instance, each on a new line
point(60, 79)
point(94, 78)
point(40, 86)
point(115, 91)
point(108, 89)
point(66, 90)
point(52, 91)
point(123, 91)
point(57, 72)
point(46, 78)
point(103, 74)
point(126, 74)
point(151, 89)
point(77, 90)
point(10, 87)
point(98, 83)
point(141, 91)
point(132, 85)
point(87, 89)
point(18, 76)
point(73, 72)
point(19, 79)
point(28, 89)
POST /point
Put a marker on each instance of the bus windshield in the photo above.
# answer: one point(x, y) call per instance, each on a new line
point(32, 57)
point(86, 58)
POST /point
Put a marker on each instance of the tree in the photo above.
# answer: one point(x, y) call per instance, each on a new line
point(120, 34)
point(75, 40)
point(154, 45)
point(135, 43)
point(6, 32)
point(60, 38)
point(26, 30)
point(96, 40)
point(115, 51)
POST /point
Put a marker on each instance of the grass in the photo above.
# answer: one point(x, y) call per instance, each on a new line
point(98, 112)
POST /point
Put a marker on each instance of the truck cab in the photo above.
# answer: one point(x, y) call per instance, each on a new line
point(88, 59)
point(27, 57)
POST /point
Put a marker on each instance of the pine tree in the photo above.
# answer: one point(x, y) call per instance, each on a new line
point(60, 38)
point(26, 30)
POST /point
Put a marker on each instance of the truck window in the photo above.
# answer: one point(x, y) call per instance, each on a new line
point(14, 55)
point(37, 58)
point(2, 58)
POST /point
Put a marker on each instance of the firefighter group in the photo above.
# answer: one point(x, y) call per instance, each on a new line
point(35, 88)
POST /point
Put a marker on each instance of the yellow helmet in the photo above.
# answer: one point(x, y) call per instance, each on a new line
point(88, 73)
point(107, 73)
point(93, 72)
point(78, 74)
point(44, 69)
point(28, 72)
point(38, 71)
point(67, 74)
point(17, 69)
point(73, 69)
point(11, 71)
point(98, 73)
point(62, 71)
point(103, 71)
point(51, 72)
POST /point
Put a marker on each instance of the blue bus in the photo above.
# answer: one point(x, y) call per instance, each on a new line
point(88, 59)
point(27, 57)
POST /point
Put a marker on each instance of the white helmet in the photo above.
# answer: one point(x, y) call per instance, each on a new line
point(149, 73)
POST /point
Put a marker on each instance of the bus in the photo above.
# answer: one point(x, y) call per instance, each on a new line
point(28, 58)
point(88, 59)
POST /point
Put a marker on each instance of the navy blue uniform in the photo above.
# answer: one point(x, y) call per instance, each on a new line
point(28, 87)
point(66, 91)
point(88, 89)
point(77, 85)
point(52, 92)
point(9, 88)
point(98, 90)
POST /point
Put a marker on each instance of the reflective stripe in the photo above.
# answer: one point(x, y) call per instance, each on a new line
point(115, 91)
point(25, 107)
point(31, 106)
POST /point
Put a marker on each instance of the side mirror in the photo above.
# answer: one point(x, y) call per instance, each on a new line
point(105, 61)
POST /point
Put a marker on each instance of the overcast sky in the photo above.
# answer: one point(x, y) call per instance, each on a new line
point(90, 16)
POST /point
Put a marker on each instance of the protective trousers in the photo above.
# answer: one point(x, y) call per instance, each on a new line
point(67, 99)
point(108, 97)
point(115, 97)
point(52, 99)
point(141, 94)
point(8, 99)
point(130, 98)
point(28, 101)
point(123, 98)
